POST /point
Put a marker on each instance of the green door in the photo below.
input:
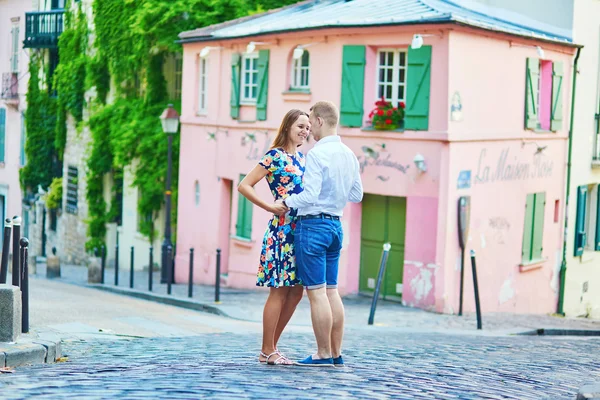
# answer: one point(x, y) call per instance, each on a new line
point(383, 220)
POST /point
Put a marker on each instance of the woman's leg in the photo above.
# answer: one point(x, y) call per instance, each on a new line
point(292, 299)
point(271, 316)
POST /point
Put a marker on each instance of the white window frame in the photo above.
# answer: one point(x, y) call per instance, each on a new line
point(297, 70)
point(243, 84)
point(14, 54)
point(396, 67)
point(590, 217)
point(202, 85)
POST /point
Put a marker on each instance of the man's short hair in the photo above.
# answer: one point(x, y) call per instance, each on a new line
point(326, 110)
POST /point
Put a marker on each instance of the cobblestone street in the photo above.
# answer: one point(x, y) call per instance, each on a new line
point(380, 365)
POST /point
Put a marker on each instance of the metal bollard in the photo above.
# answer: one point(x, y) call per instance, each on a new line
point(150, 268)
point(117, 261)
point(191, 278)
point(103, 264)
point(24, 244)
point(476, 290)
point(16, 250)
point(218, 278)
point(131, 269)
point(5, 250)
point(382, 265)
point(169, 270)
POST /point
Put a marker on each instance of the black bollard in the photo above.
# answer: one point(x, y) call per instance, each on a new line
point(169, 270)
point(476, 290)
point(191, 278)
point(150, 269)
point(5, 250)
point(117, 261)
point(382, 265)
point(24, 244)
point(131, 270)
point(218, 278)
point(16, 251)
point(103, 264)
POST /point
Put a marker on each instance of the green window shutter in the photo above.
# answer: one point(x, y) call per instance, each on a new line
point(2, 132)
point(247, 227)
point(528, 228)
point(235, 85)
point(243, 226)
point(580, 237)
point(597, 243)
point(263, 85)
point(353, 86)
point(418, 85)
point(532, 120)
point(538, 226)
point(557, 104)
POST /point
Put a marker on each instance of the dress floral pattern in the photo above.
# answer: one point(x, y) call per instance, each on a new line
point(277, 265)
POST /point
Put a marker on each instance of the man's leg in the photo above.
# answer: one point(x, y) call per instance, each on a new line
point(337, 330)
point(333, 295)
point(320, 314)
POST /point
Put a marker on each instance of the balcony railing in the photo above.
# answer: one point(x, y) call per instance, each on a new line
point(10, 86)
point(43, 28)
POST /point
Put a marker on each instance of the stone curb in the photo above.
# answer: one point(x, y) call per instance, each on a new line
point(589, 392)
point(29, 351)
point(163, 299)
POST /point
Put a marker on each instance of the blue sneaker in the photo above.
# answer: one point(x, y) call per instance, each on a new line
point(309, 362)
point(338, 362)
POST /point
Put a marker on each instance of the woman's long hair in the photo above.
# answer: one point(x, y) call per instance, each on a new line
point(283, 136)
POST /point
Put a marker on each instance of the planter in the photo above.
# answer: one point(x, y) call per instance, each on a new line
point(390, 127)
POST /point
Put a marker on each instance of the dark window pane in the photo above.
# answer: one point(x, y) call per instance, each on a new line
point(382, 58)
point(380, 92)
point(401, 92)
point(381, 75)
point(389, 74)
point(388, 92)
point(402, 59)
point(305, 58)
point(402, 75)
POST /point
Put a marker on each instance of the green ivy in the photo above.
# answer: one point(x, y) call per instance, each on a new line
point(55, 194)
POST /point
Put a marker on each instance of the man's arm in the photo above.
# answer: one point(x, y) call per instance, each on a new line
point(356, 192)
point(313, 178)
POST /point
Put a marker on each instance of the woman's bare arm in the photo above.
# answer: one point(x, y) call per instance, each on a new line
point(246, 188)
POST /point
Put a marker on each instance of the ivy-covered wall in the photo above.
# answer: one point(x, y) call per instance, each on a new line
point(123, 65)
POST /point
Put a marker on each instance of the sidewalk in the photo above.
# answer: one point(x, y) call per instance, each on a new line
point(247, 305)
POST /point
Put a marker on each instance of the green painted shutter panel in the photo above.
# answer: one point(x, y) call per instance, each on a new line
point(263, 85)
point(239, 224)
point(580, 220)
point(531, 84)
point(557, 103)
point(247, 230)
point(538, 226)
point(235, 85)
point(597, 238)
point(2, 132)
point(528, 228)
point(418, 87)
point(353, 85)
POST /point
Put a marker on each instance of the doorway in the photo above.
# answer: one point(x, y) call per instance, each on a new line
point(383, 221)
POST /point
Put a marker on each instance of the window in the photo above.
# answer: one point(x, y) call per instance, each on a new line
point(243, 227)
point(391, 75)
point(2, 132)
point(249, 78)
point(197, 193)
point(14, 57)
point(534, 228)
point(587, 220)
point(590, 216)
point(300, 72)
point(23, 158)
point(178, 75)
point(543, 95)
point(172, 70)
point(72, 185)
point(202, 85)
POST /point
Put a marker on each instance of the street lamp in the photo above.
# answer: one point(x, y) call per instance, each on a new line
point(170, 123)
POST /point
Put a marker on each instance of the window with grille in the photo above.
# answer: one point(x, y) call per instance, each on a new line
point(391, 75)
point(300, 72)
point(202, 85)
point(72, 185)
point(249, 86)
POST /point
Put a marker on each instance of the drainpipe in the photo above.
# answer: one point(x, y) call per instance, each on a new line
point(563, 265)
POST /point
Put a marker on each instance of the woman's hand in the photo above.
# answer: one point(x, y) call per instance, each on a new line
point(278, 208)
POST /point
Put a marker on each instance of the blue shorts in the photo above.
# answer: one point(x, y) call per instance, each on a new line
point(318, 243)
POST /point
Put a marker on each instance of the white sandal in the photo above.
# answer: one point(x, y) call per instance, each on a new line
point(281, 360)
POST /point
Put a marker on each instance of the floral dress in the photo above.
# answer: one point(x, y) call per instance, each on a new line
point(277, 265)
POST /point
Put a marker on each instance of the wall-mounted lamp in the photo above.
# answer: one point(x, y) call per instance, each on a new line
point(204, 52)
point(299, 50)
point(252, 46)
point(417, 40)
point(248, 137)
point(539, 149)
point(539, 50)
point(369, 152)
point(419, 161)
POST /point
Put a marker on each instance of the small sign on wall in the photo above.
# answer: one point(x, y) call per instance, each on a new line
point(456, 108)
point(464, 179)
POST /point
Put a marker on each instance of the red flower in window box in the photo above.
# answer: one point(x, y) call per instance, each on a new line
point(402, 105)
point(385, 116)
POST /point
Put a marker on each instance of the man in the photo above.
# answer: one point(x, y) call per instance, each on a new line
point(331, 179)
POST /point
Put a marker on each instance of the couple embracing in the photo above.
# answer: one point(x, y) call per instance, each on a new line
point(302, 243)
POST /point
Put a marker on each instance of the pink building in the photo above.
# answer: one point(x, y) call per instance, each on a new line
point(487, 105)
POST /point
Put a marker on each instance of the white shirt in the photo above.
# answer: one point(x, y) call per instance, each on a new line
point(331, 179)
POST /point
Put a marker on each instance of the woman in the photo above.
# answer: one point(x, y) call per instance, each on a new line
point(283, 166)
